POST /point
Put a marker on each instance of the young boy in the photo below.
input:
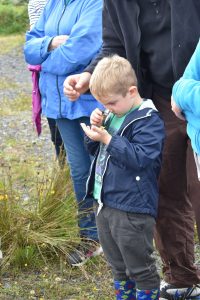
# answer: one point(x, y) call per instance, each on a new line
point(186, 104)
point(127, 147)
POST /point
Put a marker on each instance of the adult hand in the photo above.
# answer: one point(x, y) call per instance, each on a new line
point(96, 117)
point(76, 84)
point(57, 41)
point(176, 110)
point(97, 134)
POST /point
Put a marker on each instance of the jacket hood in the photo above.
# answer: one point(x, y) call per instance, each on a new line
point(148, 103)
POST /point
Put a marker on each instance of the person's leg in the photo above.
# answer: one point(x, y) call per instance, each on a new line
point(56, 138)
point(79, 162)
point(133, 234)
point(193, 186)
point(124, 286)
point(127, 241)
point(175, 224)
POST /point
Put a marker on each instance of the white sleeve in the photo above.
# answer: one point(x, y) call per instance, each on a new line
point(35, 9)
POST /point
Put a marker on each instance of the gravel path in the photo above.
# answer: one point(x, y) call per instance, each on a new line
point(16, 83)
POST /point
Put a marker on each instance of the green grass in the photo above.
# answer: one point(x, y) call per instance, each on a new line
point(5, 84)
point(44, 274)
point(13, 19)
point(45, 226)
point(8, 43)
point(93, 281)
point(11, 107)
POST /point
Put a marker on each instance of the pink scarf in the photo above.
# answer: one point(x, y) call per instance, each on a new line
point(36, 98)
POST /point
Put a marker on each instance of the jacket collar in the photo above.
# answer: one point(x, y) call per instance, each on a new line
point(144, 111)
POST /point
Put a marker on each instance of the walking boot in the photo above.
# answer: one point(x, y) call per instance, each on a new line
point(125, 290)
point(148, 294)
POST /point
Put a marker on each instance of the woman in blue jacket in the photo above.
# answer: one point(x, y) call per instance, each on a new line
point(35, 8)
point(64, 40)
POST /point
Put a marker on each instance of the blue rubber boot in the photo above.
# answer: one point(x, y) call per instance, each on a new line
point(125, 290)
point(148, 294)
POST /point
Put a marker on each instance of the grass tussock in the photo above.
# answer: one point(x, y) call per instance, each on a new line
point(40, 229)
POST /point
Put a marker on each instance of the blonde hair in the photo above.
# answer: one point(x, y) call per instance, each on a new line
point(112, 75)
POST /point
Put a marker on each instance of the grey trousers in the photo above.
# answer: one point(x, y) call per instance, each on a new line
point(127, 242)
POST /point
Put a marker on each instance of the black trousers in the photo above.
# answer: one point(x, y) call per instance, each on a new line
point(56, 137)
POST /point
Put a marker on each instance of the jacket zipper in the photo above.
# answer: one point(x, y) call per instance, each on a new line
point(57, 85)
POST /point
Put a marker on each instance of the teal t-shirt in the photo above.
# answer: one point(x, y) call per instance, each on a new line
point(112, 125)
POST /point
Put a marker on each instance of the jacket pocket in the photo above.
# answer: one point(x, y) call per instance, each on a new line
point(137, 221)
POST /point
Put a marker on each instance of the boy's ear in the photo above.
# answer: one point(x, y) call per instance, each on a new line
point(133, 90)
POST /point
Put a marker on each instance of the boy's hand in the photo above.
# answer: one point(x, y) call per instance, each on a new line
point(96, 117)
point(176, 110)
point(97, 134)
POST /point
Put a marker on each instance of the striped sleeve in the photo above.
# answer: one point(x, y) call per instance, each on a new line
point(35, 9)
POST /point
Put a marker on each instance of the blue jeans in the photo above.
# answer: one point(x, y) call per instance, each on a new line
point(79, 162)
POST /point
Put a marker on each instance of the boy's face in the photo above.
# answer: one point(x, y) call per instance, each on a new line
point(118, 104)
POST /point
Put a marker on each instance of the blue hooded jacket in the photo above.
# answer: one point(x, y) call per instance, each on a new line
point(133, 162)
point(186, 94)
point(81, 20)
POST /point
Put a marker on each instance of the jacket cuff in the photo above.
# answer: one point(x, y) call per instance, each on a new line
point(89, 69)
point(174, 93)
point(112, 143)
point(44, 47)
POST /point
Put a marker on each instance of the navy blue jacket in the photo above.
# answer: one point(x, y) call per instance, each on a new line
point(130, 180)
